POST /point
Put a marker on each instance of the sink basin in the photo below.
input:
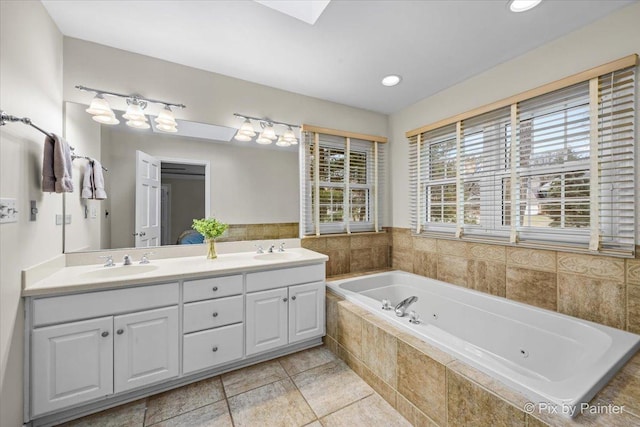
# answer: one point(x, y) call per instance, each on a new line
point(276, 256)
point(120, 271)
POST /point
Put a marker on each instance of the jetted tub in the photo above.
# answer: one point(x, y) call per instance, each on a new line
point(550, 357)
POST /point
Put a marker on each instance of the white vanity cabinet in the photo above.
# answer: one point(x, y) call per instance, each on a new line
point(284, 308)
point(81, 360)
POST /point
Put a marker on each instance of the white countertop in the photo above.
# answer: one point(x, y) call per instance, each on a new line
point(96, 276)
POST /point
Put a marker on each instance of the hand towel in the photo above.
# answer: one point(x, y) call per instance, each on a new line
point(87, 182)
point(48, 177)
point(56, 164)
point(98, 182)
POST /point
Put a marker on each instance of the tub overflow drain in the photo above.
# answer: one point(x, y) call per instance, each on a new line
point(524, 353)
point(435, 316)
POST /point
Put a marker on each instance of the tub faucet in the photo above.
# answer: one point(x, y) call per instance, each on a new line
point(126, 260)
point(403, 305)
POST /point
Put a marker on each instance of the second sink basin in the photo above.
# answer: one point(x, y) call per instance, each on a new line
point(120, 271)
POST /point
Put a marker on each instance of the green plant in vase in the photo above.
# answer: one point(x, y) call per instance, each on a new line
point(211, 229)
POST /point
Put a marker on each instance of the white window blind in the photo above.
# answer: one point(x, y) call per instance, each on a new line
point(340, 184)
point(565, 178)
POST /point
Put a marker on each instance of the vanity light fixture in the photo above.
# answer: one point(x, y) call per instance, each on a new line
point(522, 5)
point(268, 134)
point(135, 114)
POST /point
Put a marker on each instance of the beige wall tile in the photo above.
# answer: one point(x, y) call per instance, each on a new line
point(487, 276)
point(401, 238)
point(425, 348)
point(351, 360)
point(532, 287)
point(633, 271)
point(387, 392)
point(338, 242)
point(470, 405)
point(412, 414)
point(255, 231)
point(288, 230)
point(425, 244)
point(402, 259)
point(422, 381)
point(381, 239)
point(598, 300)
point(452, 269)
point(271, 231)
point(425, 264)
point(361, 259)
point(380, 257)
point(318, 244)
point(487, 252)
point(633, 309)
point(379, 350)
point(452, 247)
point(534, 259)
point(349, 330)
point(339, 262)
point(331, 308)
point(591, 265)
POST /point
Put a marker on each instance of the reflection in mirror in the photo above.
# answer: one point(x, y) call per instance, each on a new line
point(253, 189)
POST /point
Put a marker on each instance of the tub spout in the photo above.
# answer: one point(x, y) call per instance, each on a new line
point(403, 305)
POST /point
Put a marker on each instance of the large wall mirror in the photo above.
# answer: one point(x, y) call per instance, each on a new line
point(200, 171)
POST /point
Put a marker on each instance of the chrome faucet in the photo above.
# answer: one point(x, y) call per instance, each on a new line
point(271, 248)
point(126, 260)
point(259, 249)
point(109, 261)
point(403, 305)
point(145, 258)
point(281, 248)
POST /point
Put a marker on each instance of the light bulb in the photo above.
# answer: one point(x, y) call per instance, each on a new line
point(106, 119)
point(282, 142)
point(242, 136)
point(263, 140)
point(523, 5)
point(269, 132)
point(135, 113)
point(138, 124)
point(166, 128)
point(166, 117)
point(247, 129)
point(289, 135)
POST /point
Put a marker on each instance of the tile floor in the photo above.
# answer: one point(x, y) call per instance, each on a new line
point(310, 388)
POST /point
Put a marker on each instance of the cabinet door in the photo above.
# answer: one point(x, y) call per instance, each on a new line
point(266, 320)
point(306, 311)
point(145, 348)
point(71, 363)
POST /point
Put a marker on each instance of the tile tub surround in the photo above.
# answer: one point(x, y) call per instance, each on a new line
point(430, 387)
point(271, 231)
point(352, 253)
point(309, 388)
point(597, 288)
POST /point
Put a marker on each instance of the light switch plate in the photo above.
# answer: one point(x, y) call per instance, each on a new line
point(8, 212)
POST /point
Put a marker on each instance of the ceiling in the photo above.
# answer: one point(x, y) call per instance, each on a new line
point(342, 58)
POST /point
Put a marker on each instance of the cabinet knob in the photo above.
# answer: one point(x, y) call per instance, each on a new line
point(214, 289)
point(285, 299)
point(214, 349)
point(215, 314)
point(105, 334)
point(293, 297)
point(120, 331)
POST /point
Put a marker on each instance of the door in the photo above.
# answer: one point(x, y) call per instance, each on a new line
point(266, 320)
point(147, 227)
point(306, 311)
point(71, 363)
point(145, 348)
point(165, 214)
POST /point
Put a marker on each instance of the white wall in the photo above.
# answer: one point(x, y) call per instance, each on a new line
point(30, 85)
point(84, 135)
point(248, 185)
point(608, 39)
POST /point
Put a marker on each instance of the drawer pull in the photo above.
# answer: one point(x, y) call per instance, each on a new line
point(215, 314)
point(285, 299)
point(105, 334)
point(215, 289)
point(120, 331)
point(293, 297)
point(214, 349)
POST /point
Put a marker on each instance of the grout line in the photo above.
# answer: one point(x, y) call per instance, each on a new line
point(226, 400)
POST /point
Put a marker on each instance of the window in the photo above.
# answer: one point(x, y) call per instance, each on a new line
point(346, 173)
point(565, 177)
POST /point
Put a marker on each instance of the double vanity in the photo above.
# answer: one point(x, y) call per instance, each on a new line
point(100, 336)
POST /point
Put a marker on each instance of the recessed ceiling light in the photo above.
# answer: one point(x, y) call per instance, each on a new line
point(391, 80)
point(522, 5)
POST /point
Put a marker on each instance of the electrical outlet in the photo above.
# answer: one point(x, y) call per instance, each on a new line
point(8, 212)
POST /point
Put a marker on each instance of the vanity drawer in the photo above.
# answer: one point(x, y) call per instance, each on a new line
point(67, 308)
point(285, 277)
point(212, 287)
point(213, 313)
point(198, 348)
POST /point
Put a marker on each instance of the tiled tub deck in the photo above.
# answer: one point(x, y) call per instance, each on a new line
point(429, 387)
